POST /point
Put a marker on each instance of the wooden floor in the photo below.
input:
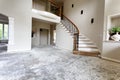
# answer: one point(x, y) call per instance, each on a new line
point(95, 54)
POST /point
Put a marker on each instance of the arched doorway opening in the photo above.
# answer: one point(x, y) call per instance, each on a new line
point(4, 31)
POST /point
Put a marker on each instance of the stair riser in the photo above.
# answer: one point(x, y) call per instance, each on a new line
point(88, 50)
point(87, 46)
point(86, 43)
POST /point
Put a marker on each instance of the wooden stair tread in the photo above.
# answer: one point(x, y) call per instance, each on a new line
point(95, 54)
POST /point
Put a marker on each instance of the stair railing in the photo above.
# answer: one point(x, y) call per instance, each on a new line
point(73, 29)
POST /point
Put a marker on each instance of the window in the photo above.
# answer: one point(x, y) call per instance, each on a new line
point(6, 31)
point(3, 31)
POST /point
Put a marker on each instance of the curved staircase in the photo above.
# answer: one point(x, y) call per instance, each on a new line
point(84, 46)
point(81, 44)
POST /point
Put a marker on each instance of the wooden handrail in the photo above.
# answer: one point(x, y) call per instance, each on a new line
point(72, 23)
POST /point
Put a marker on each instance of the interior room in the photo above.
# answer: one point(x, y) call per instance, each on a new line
point(59, 39)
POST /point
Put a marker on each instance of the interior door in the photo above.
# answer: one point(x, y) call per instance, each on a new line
point(43, 36)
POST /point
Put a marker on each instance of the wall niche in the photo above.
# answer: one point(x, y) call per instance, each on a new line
point(113, 21)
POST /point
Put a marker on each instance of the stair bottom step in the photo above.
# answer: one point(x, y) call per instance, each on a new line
point(95, 54)
point(88, 49)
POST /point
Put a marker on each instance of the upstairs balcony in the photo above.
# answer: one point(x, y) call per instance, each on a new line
point(47, 10)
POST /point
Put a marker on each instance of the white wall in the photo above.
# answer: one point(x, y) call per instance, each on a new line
point(64, 39)
point(36, 26)
point(91, 9)
point(115, 21)
point(112, 7)
point(111, 49)
point(20, 10)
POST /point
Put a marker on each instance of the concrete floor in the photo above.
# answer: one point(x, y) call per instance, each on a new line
point(48, 63)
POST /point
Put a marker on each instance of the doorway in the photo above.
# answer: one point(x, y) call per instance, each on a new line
point(44, 37)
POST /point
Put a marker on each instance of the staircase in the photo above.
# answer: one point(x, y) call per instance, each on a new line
point(81, 45)
point(84, 46)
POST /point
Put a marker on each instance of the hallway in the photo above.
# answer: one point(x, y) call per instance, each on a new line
point(49, 63)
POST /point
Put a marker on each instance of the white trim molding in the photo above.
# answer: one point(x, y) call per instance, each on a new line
point(110, 59)
point(11, 31)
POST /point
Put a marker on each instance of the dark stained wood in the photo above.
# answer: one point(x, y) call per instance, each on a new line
point(95, 54)
point(75, 46)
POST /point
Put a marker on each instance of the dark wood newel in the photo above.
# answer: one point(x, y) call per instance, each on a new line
point(75, 44)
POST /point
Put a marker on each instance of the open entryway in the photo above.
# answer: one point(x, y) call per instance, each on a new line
point(43, 33)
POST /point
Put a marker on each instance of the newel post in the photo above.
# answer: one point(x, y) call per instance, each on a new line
point(75, 44)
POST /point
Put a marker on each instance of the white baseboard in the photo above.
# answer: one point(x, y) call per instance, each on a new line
point(110, 59)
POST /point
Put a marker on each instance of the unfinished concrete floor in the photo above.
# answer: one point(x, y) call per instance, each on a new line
point(48, 63)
